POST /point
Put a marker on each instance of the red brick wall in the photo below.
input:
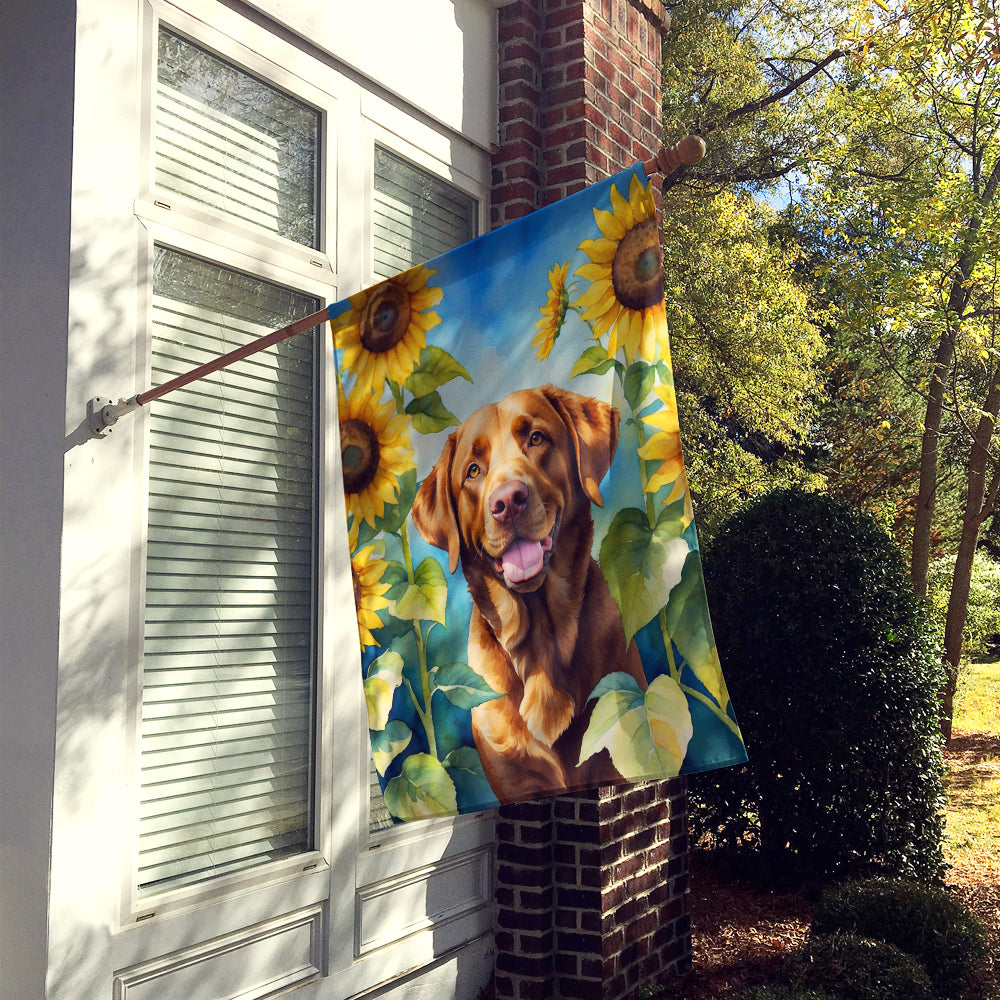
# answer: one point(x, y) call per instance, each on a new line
point(591, 889)
point(579, 96)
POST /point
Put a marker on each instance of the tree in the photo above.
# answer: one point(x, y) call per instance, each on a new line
point(913, 182)
point(748, 355)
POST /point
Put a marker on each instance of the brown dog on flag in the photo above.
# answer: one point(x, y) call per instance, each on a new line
point(510, 499)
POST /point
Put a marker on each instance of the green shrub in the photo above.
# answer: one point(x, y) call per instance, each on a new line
point(925, 922)
point(782, 993)
point(855, 968)
point(834, 673)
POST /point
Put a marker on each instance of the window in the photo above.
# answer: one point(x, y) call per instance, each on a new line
point(227, 140)
point(416, 215)
point(229, 646)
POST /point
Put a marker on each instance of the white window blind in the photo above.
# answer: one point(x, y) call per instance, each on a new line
point(416, 217)
point(228, 661)
point(228, 140)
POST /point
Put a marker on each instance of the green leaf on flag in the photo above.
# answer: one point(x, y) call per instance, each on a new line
point(472, 786)
point(593, 361)
point(638, 383)
point(462, 686)
point(437, 367)
point(423, 789)
point(690, 628)
point(385, 674)
point(389, 743)
point(429, 414)
point(426, 598)
point(645, 732)
point(642, 564)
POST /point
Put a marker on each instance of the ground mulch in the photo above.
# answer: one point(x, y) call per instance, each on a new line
point(742, 934)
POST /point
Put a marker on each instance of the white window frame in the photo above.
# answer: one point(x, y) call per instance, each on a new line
point(351, 873)
point(180, 224)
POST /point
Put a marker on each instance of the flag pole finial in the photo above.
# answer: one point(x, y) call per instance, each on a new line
point(687, 152)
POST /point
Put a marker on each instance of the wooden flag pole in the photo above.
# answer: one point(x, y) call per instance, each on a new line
point(687, 152)
point(103, 413)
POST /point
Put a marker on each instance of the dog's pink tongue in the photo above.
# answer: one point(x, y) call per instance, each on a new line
point(522, 560)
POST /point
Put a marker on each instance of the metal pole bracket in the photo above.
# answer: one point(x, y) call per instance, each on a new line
point(103, 413)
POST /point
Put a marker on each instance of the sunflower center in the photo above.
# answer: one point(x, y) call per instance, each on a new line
point(385, 319)
point(359, 454)
point(637, 270)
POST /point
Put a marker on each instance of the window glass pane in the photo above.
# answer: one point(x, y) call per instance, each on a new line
point(228, 659)
point(416, 216)
point(228, 140)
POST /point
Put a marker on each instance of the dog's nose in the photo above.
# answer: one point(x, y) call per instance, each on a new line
point(508, 500)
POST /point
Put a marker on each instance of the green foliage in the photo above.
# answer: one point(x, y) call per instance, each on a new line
point(983, 612)
point(782, 992)
point(856, 968)
point(834, 673)
point(926, 922)
point(747, 353)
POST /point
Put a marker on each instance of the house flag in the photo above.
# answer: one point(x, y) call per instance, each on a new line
point(530, 602)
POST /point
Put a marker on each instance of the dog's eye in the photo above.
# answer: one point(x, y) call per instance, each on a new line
point(473, 471)
point(537, 437)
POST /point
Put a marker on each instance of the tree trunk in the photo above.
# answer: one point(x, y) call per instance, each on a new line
point(979, 500)
point(958, 300)
point(920, 553)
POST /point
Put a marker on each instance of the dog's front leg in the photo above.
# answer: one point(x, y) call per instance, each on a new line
point(516, 765)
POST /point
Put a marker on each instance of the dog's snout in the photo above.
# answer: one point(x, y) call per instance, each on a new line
point(508, 500)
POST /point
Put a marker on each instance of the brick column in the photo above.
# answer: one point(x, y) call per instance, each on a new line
point(591, 888)
point(579, 96)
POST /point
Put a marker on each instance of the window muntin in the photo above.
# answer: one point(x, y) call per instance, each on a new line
point(229, 677)
point(226, 139)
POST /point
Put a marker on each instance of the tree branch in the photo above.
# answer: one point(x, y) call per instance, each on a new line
point(754, 106)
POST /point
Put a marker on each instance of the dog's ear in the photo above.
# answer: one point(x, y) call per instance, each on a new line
point(433, 509)
point(593, 428)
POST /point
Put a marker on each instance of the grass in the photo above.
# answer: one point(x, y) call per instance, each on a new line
point(978, 698)
point(973, 784)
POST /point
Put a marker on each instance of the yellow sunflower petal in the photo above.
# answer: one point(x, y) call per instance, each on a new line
point(617, 332)
point(599, 291)
point(609, 224)
point(648, 342)
point(622, 208)
point(595, 272)
point(633, 333)
point(600, 251)
point(641, 199)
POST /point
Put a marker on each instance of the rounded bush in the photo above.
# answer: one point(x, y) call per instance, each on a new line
point(833, 671)
point(924, 921)
point(856, 968)
point(782, 993)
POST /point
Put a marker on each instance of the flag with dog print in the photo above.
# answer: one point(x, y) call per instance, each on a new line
point(529, 593)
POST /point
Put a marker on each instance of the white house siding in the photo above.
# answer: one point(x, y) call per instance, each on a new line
point(407, 916)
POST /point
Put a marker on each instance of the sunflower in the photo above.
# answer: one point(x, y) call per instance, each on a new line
point(665, 446)
point(553, 312)
point(366, 572)
point(384, 331)
point(626, 276)
point(374, 450)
